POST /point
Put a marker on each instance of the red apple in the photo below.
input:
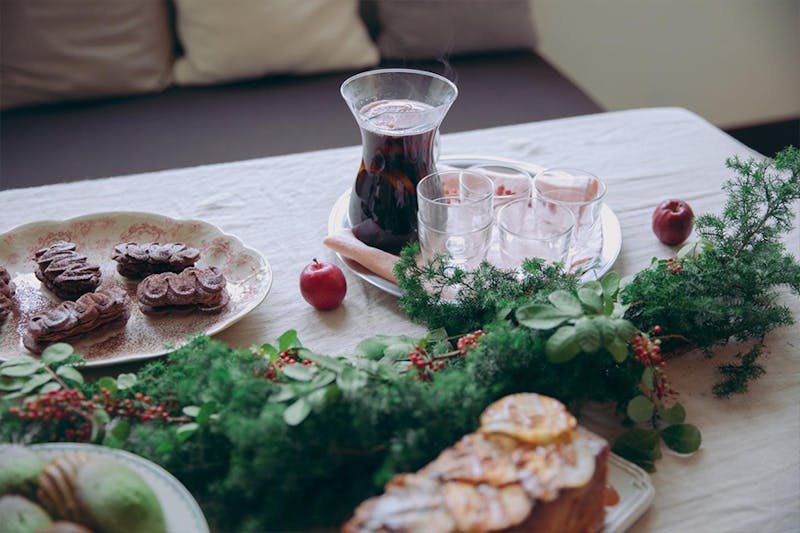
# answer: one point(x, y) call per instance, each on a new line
point(323, 285)
point(672, 221)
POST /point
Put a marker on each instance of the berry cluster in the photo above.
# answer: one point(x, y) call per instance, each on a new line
point(673, 265)
point(289, 356)
point(423, 362)
point(648, 352)
point(63, 409)
point(69, 413)
point(468, 342)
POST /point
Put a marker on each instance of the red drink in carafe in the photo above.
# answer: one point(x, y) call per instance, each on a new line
point(398, 144)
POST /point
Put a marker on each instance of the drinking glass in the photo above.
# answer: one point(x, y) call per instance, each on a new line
point(533, 227)
point(582, 193)
point(455, 216)
point(510, 182)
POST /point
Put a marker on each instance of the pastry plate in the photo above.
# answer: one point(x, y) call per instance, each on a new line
point(636, 493)
point(180, 509)
point(248, 275)
point(338, 220)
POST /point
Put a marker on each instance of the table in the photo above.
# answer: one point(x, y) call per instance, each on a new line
point(746, 476)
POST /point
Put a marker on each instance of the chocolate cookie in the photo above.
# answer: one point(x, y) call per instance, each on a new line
point(136, 260)
point(65, 271)
point(194, 288)
point(7, 290)
point(69, 319)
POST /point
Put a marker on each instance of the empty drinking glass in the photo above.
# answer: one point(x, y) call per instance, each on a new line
point(455, 216)
point(510, 182)
point(530, 228)
point(582, 193)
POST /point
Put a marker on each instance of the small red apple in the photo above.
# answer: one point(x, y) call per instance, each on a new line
point(323, 285)
point(672, 221)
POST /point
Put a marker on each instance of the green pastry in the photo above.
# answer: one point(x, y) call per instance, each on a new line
point(117, 499)
point(19, 468)
point(18, 515)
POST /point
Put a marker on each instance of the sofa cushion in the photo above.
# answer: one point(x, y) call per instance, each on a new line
point(55, 50)
point(240, 39)
point(429, 29)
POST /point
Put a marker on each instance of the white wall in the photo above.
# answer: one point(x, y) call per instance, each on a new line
point(735, 62)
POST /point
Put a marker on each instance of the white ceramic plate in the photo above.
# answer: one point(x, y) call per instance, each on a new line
point(248, 274)
point(636, 493)
point(338, 220)
point(180, 509)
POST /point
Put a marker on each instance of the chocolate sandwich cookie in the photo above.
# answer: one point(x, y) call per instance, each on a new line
point(69, 318)
point(136, 260)
point(7, 291)
point(194, 288)
point(65, 271)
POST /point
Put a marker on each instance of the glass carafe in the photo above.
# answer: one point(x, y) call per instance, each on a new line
point(398, 112)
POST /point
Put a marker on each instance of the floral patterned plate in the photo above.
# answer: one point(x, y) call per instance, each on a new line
point(248, 274)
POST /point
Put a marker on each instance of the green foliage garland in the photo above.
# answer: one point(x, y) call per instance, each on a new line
point(279, 437)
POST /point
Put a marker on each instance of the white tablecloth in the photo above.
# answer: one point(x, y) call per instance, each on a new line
point(746, 477)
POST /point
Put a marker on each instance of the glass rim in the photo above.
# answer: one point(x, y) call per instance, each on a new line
point(441, 201)
point(602, 189)
point(507, 207)
point(378, 71)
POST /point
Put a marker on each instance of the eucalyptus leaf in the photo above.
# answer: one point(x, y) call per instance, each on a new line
point(284, 394)
point(21, 369)
point(606, 329)
point(18, 360)
point(9, 384)
point(185, 431)
point(648, 378)
point(208, 409)
point(587, 335)
point(436, 335)
point(68, 372)
point(270, 352)
point(351, 379)
point(610, 283)
point(618, 349)
point(52, 386)
point(625, 330)
point(638, 444)
point(540, 316)
point(191, 411)
point(398, 351)
point(297, 412)
point(594, 286)
point(298, 372)
point(126, 381)
point(288, 340)
point(373, 347)
point(99, 420)
point(323, 361)
point(591, 299)
point(640, 409)
point(608, 306)
point(322, 378)
point(562, 345)
point(682, 438)
point(673, 415)
point(36, 381)
point(107, 382)
point(317, 397)
point(566, 302)
point(55, 353)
